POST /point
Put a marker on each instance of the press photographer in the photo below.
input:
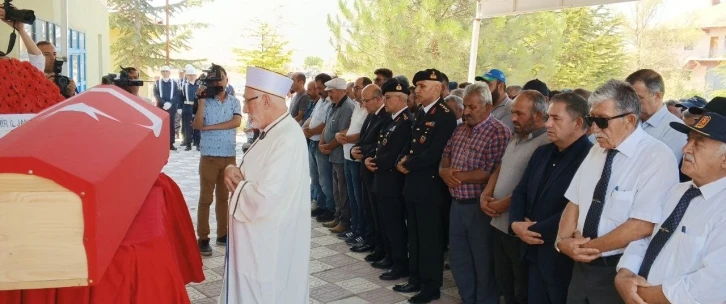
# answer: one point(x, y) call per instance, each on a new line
point(16, 19)
point(126, 79)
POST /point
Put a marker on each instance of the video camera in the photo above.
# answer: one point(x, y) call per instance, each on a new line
point(122, 79)
point(17, 15)
point(61, 81)
point(213, 74)
point(13, 15)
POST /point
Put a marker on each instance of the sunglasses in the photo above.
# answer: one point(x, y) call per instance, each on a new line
point(602, 122)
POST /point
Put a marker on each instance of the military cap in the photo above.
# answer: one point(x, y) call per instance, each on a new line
point(394, 86)
point(430, 74)
point(711, 125)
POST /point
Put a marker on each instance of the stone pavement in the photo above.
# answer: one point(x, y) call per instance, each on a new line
point(336, 274)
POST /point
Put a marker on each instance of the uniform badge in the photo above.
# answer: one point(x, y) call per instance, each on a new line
point(702, 122)
point(385, 141)
point(430, 124)
point(433, 111)
point(398, 87)
point(433, 75)
point(422, 139)
point(445, 107)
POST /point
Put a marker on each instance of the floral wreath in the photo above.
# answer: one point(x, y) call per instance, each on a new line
point(24, 89)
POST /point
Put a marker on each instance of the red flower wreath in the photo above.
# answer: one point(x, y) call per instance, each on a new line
point(24, 89)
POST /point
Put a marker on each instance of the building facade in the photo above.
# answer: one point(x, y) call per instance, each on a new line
point(88, 36)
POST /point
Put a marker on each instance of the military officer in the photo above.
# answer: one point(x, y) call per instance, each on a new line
point(388, 181)
point(424, 191)
point(189, 89)
point(168, 98)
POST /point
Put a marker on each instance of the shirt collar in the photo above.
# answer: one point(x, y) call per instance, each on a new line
point(381, 108)
point(535, 133)
point(711, 189)
point(166, 80)
point(482, 124)
point(427, 108)
point(657, 116)
point(630, 145)
point(398, 113)
point(504, 102)
point(339, 103)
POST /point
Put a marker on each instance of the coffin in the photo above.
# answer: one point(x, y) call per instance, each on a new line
point(72, 179)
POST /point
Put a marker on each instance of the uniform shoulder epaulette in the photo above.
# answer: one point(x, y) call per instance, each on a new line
point(446, 109)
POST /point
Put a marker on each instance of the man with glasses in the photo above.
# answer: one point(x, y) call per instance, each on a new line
point(382, 75)
point(616, 195)
point(218, 119)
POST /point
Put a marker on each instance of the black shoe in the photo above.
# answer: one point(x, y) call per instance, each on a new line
point(204, 247)
point(394, 274)
point(346, 235)
point(407, 288)
point(425, 296)
point(222, 241)
point(375, 256)
point(383, 264)
point(327, 216)
point(188, 148)
point(172, 148)
point(197, 148)
point(362, 248)
point(355, 241)
point(317, 211)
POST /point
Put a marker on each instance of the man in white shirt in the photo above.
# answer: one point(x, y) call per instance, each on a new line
point(682, 261)
point(268, 250)
point(352, 166)
point(616, 195)
point(35, 56)
point(654, 113)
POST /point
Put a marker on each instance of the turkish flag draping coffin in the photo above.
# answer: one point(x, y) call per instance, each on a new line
point(72, 179)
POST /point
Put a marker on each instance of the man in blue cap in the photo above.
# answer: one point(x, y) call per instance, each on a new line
point(497, 82)
point(681, 262)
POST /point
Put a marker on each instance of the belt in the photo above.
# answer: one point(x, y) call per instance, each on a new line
point(608, 261)
point(467, 201)
point(191, 103)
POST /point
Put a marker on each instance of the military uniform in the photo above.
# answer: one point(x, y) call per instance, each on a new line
point(425, 192)
point(367, 144)
point(388, 184)
point(190, 96)
point(168, 91)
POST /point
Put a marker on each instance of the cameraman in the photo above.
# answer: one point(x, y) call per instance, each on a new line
point(35, 56)
point(218, 117)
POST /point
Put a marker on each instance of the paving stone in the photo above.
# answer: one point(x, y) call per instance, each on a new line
point(351, 300)
point(338, 260)
point(357, 285)
point(205, 301)
point(327, 240)
point(194, 294)
point(451, 291)
point(209, 276)
point(314, 245)
point(317, 266)
point(341, 247)
point(321, 252)
point(212, 289)
point(360, 256)
point(374, 278)
point(219, 270)
point(213, 262)
point(315, 282)
point(347, 272)
point(382, 296)
point(314, 233)
point(328, 293)
point(323, 230)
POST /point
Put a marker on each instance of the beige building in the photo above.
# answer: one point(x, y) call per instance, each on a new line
point(88, 36)
point(709, 52)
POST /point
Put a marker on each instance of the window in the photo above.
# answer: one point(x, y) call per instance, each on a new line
point(76, 57)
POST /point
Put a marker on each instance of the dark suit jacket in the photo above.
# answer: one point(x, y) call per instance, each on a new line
point(429, 135)
point(368, 140)
point(546, 206)
point(393, 137)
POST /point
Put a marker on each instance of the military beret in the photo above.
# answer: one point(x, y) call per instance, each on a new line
point(394, 86)
point(430, 74)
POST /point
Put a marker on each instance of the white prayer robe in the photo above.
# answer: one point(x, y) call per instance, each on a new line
point(268, 243)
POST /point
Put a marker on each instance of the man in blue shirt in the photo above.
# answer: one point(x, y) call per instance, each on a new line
point(218, 119)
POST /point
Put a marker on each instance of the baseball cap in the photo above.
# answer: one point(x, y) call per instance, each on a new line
point(711, 125)
point(693, 102)
point(717, 104)
point(493, 74)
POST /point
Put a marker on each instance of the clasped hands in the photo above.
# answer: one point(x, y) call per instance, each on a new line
point(577, 248)
point(627, 284)
point(490, 206)
point(232, 177)
point(449, 175)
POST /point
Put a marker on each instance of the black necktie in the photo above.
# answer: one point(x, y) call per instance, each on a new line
point(592, 221)
point(420, 114)
point(366, 124)
point(666, 230)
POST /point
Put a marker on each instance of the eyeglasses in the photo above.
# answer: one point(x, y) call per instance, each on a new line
point(602, 122)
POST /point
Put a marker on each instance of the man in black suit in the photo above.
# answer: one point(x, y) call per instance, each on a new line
point(388, 181)
point(424, 191)
point(539, 199)
point(372, 99)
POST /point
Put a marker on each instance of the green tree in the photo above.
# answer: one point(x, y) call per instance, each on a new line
point(313, 62)
point(657, 46)
point(269, 50)
point(141, 40)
